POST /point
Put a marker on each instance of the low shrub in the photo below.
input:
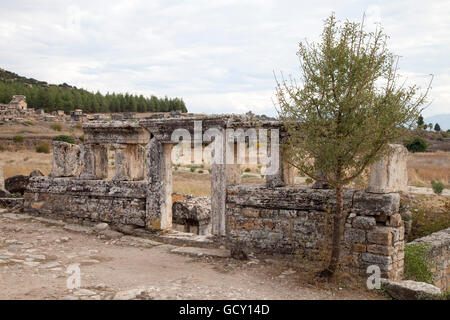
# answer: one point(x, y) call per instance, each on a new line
point(247, 170)
point(18, 139)
point(437, 187)
point(43, 147)
point(64, 138)
point(417, 264)
point(416, 144)
point(56, 126)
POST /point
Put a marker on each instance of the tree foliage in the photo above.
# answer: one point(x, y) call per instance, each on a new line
point(41, 95)
point(416, 144)
point(345, 109)
point(437, 127)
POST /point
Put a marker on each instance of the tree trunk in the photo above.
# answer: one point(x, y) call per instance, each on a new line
point(336, 240)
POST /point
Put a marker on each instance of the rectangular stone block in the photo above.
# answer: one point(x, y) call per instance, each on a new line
point(66, 160)
point(390, 174)
point(354, 236)
point(380, 249)
point(376, 259)
point(250, 212)
point(380, 236)
point(359, 247)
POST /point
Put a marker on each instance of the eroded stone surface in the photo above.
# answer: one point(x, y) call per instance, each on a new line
point(410, 290)
point(66, 160)
point(390, 174)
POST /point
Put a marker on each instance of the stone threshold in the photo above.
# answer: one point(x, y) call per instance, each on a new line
point(179, 242)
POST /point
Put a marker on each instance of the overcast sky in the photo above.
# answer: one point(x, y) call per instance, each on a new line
point(219, 56)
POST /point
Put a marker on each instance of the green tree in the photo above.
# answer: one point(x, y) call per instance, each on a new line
point(416, 144)
point(420, 122)
point(437, 127)
point(345, 112)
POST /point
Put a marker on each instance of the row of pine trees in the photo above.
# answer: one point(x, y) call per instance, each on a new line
point(67, 98)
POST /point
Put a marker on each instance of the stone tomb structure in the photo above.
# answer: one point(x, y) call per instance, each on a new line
point(275, 217)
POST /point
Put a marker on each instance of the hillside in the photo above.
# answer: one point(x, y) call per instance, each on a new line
point(51, 97)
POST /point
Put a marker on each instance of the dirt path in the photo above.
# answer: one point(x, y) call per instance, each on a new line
point(35, 255)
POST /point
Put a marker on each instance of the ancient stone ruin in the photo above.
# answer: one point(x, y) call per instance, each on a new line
point(273, 218)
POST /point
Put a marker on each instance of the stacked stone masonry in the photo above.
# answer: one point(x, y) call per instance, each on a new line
point(115, 202)
point(294, 221)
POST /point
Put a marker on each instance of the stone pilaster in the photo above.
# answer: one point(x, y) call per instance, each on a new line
point(159, 178)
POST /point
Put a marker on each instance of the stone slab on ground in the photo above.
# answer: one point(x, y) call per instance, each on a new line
point(140, 241)
point(78, 228)
point(410, 290)
point(50, 221)
point(194, 251)
point(111, 234)
point(15, 216)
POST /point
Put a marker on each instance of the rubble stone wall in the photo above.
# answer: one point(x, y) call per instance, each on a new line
point(294, 221)
point(115, 202)
point(439, 255)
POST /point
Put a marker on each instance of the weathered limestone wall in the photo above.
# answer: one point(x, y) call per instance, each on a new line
point(116, 202)
point(294, 220)
point(439, 255)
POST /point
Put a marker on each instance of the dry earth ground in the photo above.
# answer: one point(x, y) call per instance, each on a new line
point(34, 256)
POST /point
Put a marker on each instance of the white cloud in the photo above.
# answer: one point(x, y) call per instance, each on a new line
point(218, 55)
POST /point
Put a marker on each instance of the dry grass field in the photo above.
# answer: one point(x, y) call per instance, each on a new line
point(424, 167)
point(24, 161)
point(40, 128)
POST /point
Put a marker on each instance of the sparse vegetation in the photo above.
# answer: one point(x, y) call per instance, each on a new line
point(417, 265)
point(437, 187)
point(18, 139)
point(56, 126)
point(65, 138)
point(43, 147)
point(429, 214)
